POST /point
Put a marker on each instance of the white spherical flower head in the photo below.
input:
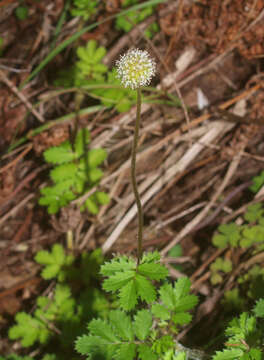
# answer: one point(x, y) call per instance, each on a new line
point(135, 68)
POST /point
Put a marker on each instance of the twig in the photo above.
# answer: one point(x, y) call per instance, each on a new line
point(21, 96)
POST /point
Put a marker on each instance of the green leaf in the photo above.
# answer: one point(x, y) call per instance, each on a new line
point(102, 329)
point(145, 352)
point(118, 280)
point(221, 264)
point(91, 206)
point(255, 354)
point(95, 157)
point(167, 295)
point(81, 141)
point(54, 262)
point(181, 318)
point(254, 212)
point(102, 197)
point(95, 175)
point(95, 346)
point(252, 235)
point(142, 324)
point(160, 312)
point(153, 271)
point(128, 296)
point(63, 172)
point(186, 303)
point(229, 234)
point(21, 12)
point(163, 344)
point(259, 308)
point(126, 352)
point(180, 356)
point(182, 287)
point(122, 263)
point(258, 182)
point(50, 271)
point(121, 324)
point(29, 330)
point(145, 289)
point(233, 354)
point(175, 251)
point(151, 257)
point(59, 154)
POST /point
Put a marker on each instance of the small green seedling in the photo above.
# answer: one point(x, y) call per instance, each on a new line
point(76, 172)
point(84, 8)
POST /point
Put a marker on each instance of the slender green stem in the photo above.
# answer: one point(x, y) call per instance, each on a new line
point(133, 177)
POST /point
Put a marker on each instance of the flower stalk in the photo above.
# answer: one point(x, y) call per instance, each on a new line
point(135, 69)
point(134, 179)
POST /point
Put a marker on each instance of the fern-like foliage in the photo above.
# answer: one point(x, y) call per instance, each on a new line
point(245, 339)
point(76, 173)
point(136, 333)
point(133, 282)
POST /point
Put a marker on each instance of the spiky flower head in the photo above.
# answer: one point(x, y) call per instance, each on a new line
point(135, 68)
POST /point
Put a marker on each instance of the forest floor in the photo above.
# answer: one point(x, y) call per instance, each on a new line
point(201, 142)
